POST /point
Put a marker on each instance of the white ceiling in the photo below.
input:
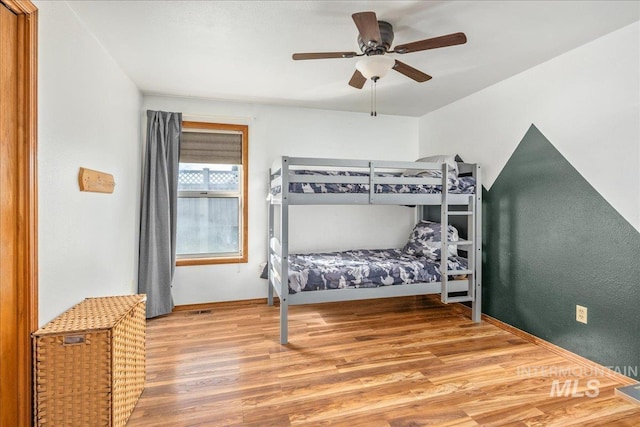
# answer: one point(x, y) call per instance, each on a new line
point(241, 50)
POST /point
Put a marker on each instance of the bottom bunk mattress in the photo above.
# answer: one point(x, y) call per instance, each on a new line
point(363, 269)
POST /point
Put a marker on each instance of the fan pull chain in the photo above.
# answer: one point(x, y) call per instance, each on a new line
point(374, 95)
point(371, 101)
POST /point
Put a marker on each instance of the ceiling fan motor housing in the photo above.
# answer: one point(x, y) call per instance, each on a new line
point(386, 34)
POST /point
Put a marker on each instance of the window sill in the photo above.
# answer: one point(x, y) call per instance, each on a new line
point(207, 261)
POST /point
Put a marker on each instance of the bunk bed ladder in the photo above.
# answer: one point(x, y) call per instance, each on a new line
point(445, 212)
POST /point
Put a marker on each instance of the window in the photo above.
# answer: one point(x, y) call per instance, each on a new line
point(212, 192)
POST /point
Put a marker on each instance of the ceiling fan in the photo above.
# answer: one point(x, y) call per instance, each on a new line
point(375, 38)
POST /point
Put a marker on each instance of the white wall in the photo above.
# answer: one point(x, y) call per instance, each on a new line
point(586, 102)
point(89, 116)
point(276, 131)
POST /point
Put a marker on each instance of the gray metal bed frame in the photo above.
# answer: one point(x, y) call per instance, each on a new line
point(469, 289)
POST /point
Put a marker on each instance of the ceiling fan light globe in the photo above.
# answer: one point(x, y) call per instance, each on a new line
point(375, 66)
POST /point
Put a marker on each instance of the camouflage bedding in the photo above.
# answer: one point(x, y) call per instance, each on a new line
point(460, 185)
point(363, 269)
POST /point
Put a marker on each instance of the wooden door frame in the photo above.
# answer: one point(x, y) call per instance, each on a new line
point(27, 246)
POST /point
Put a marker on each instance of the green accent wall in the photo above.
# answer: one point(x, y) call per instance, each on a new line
point(551, 241)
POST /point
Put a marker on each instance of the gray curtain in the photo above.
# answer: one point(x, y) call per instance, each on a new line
point(158, 212)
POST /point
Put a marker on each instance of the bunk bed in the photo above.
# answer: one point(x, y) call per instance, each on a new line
point(431, 188)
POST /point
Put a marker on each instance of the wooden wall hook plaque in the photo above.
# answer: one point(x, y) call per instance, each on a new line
point(95, 181)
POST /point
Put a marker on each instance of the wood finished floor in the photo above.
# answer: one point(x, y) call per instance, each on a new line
point(394, 362)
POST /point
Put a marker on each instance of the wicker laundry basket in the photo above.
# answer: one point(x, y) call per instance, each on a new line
point(89, 363)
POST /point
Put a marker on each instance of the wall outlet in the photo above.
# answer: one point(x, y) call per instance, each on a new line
point(581, 314)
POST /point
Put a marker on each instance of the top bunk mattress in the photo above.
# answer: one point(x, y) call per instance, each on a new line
point(459, 185)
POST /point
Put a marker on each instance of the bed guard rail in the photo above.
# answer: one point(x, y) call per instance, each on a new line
point(371, 173)
point(376, 166)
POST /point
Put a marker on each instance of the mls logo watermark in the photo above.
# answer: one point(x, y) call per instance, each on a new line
point(581, 382)
point(571, 388)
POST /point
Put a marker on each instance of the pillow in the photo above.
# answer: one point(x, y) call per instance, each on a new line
point(424, 240)
point(449, 160)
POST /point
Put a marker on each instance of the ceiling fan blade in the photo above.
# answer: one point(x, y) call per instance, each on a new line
point(411, 72)
point(323, 55)
point(357, 80)
point(367, 24)
point(433, 43)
